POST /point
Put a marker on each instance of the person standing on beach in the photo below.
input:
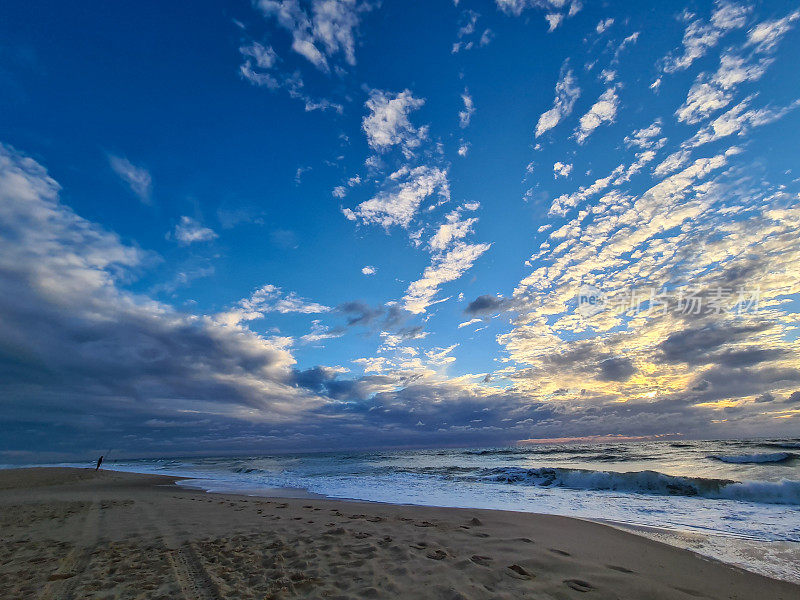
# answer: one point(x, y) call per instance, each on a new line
point(99, 462)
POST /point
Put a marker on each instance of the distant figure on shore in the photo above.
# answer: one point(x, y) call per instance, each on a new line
point(99, 462)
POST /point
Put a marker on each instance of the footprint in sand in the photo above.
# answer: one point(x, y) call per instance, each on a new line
point(475, 522)
point(579, 585)
point(337, 531)
point(561, 552)
point(419, 545)
point(620, 569)
point(481, 560)
point(437, 555)
point(518, 572)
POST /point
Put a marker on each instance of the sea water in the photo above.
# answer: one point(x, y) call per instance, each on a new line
point(738, 501)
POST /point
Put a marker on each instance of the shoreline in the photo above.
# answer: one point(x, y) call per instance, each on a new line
point(755, 556)
point(118, 532)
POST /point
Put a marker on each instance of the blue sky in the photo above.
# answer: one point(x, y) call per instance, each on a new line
point(319, 224)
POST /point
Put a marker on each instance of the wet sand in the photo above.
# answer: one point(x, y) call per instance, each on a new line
point(74, 533)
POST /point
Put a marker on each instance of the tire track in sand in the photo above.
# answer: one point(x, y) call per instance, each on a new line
point(62, 583)
point(193, 579)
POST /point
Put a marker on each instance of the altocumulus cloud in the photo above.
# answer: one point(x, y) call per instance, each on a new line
point(103, 367)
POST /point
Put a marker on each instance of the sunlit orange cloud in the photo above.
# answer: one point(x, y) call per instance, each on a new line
point(596, 438)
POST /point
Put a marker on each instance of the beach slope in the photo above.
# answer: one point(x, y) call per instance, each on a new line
point(74, 533)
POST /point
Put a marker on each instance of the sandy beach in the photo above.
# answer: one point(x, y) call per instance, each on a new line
point(74, 533)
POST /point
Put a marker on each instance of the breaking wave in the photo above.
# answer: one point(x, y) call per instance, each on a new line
point(743, 459)
point(649, 482)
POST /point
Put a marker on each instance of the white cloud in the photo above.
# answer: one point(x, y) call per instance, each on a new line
point(266, 299)
point(465, 115)
point(298, 174)
point(470, 20)
point(137, 178)
point(444, 267)
point(603, 111)
point(463, 149)
point(604, 24)
point(566, 201)
point(259, 69)
point(188, 231)
point(673, 162)
point(766, 35)
point(631, 39)
point(647, 138)
point(369, 270)
point(699, 37)
point(258, 60)
point(318, 333)
point(334, 24)
point(454, 228)
point(737, 120)
point(555, 8)
point(400, 205)
point(553, 20)
point(470, 322)
point(561, 170)
point(330, 27)
point(387, 123)
point(709, 94)
point(567, 92)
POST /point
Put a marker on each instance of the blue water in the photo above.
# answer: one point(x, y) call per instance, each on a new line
point(749, 489)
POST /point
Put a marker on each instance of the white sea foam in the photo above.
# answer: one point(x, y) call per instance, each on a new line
point(678, 485)
point(742, 459)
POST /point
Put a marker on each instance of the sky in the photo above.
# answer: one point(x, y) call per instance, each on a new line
point(291, 225)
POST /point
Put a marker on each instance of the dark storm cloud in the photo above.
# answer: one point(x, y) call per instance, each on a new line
point(616, 369)
point(77, 347)
point(486, 305)
point(694, 346)
point(590, 357)
point(717, 382)
point(359, 313)
point(578, 355)
point(391, 317)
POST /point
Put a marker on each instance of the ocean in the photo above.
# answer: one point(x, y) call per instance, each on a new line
point(737, 501)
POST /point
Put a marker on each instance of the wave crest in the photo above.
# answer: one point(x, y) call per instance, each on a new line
point(650, 482)
point(744, 459)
